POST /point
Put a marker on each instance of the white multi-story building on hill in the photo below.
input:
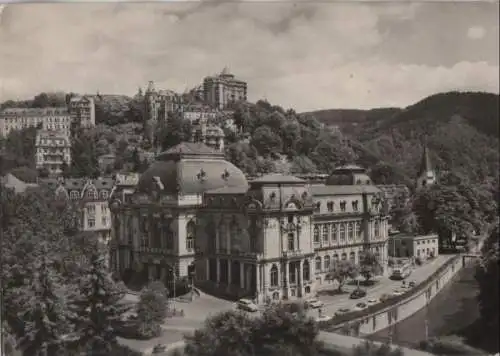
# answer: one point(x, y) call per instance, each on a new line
point(53, 148)
point(49, 119)
point(82, 110)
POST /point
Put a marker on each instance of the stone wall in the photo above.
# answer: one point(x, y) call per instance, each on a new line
point(395, 313)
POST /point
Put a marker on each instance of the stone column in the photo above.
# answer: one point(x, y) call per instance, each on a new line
point(207, 263)
point(242, 275)
point(257, 278)
point(229, 262)
point(218, 271)
point(287, 276)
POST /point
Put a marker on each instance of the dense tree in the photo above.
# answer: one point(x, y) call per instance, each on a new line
point(276, 333)
point(302, 164)
point(44, 100)
point(19, 148)
point(98, 307)
point(368, 348)
point(152, 309)
point(266, 141)
point(341, 271)
point(84, 155)
point(173, 131)
point(487, 277)
point(45, 314)
point(369, 265)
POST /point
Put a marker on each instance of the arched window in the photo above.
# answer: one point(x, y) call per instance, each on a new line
point(190, 235)
point(318, 264)
point(92, 194)
point(352, 257)
point(342, 232)
point(325, 233)
point(306, 273)
point(357, 229)
point(316, 234)
point(333, 232)
point(274, 276)
point(344, 256)
point(326, 262)
point(350, 230)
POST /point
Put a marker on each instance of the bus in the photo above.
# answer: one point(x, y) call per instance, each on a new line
point(401, 271)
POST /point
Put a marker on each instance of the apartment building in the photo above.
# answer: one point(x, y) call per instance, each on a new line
point(53, 148)
point(49, 119)
point(223, 89)
point(82, 110)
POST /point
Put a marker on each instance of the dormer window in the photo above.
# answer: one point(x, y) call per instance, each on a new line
point(73, 195)
point(342, 205)
point(355, 205)
point(91, 194)
point(104, 194)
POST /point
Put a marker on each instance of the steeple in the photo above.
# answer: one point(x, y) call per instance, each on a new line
point(426, 174)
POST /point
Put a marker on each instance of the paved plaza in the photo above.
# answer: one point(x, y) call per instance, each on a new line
point(197, 311)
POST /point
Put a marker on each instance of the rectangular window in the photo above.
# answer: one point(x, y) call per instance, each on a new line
point(342, 232)
point(316, 234)
point(91, 222)
point(104, 220)
point(325, 232)
point(350, 231)
point(91, 209)
point(357, 226)
point(334, 230)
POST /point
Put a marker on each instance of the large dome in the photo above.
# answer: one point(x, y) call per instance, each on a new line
point(191, 168)
point(349, 175)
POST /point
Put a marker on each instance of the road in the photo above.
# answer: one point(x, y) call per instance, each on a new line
point(196, 312)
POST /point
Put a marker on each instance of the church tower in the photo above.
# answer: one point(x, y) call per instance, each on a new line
point(426, 174)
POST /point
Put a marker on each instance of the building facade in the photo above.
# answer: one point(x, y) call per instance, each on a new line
point(158, 103)
point(211, 135)
point(272, 238)
point(53, 149)
point(221, 90)
point(49, 119)
point(82, 110)
point(91, 196)
point(413, 246)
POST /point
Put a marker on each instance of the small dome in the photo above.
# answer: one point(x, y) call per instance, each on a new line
point(350, 174)
point(191, 168)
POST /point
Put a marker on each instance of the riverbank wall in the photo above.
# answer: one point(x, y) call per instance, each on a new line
point(415, 300)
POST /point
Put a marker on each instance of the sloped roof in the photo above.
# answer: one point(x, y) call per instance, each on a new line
point(276, 178)
point(321, 189)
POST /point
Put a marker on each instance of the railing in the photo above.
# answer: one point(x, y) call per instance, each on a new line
point(295, 253)
point(156, 250)
point(247, 254)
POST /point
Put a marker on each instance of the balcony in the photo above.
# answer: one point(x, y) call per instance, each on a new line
point(292, 254)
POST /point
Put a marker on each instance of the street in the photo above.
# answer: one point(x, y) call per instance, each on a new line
point(197, 311)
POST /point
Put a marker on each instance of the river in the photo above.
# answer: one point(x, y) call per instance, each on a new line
point(450, 313)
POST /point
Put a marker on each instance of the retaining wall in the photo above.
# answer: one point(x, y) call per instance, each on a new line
point(370, 324)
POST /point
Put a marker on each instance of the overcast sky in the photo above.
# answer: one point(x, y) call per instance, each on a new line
point(303, 55)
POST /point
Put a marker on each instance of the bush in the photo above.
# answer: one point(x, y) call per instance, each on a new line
point(418, 261)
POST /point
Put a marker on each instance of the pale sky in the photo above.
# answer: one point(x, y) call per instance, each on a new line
point(305, 55)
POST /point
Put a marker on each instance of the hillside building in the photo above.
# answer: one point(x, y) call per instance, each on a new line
point(276, 237)
point(53, 149)
point(49, 119)
point(82, 110)
point(413, 246)
point(158, 103)
point(221, 90)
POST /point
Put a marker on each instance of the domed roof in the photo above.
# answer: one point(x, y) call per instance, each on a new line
point(191, 168)
point(350, 174)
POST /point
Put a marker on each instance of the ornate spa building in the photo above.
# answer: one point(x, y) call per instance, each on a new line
point(275, 237)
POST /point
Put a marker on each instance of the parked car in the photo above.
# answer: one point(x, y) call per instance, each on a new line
point(314, 303)
point(397, 292)
point(342, 311)
point(357, 293)
point(247, 305)
point(360, 306)
point(159, 348)
point(412, 284)
point(323, 318)
point(372, 301)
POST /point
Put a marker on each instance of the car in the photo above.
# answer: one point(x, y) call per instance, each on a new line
point(342, 311)
point(159, 348)
point(313, 303)
point(397, 292)
point(247, 305)
point(372, 301)
point(323, 318)
point(412, 284)
point(357, 293)
point(360, 306)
